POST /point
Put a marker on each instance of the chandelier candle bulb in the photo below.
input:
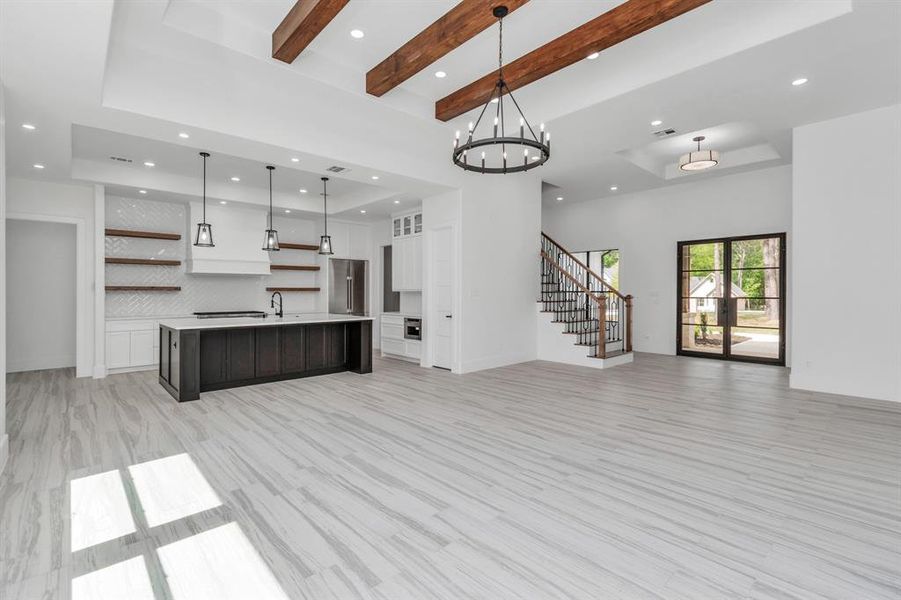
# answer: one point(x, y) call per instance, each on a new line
point(495, 126)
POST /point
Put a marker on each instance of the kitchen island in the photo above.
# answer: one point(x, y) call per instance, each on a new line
point(200, 355)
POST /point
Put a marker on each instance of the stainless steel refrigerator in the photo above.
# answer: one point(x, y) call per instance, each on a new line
point(348, 287)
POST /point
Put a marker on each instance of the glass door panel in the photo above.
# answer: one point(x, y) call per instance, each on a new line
point(730, 298)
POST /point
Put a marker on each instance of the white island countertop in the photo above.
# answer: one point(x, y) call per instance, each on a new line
point(270, 320)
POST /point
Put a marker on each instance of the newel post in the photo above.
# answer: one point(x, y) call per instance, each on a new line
point(629, 323)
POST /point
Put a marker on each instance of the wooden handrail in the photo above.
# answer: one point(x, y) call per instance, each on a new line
point(583, 265)
point(575, 281)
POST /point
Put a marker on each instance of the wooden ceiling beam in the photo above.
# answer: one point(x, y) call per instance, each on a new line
point(614, 26)
point(305, 20)
point(460, 24)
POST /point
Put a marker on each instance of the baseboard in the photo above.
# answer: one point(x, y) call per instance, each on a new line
point(40, 364)
point(4, 451)
point(99, 371)
point(498, 360)
point(132, 369)
point(800, 381)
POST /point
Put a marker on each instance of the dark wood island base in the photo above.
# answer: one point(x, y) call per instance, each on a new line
point(219, 357)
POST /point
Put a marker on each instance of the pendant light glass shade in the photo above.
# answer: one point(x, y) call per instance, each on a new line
point(325, 241)
point(699, 159)
point(204, 236)
point(270, 240)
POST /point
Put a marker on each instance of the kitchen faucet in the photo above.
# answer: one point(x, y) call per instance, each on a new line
point(279, 313)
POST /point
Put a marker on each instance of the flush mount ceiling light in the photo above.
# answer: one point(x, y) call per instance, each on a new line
point(362, 211)
point(148, 163)
point(397, 201)
point(303, 191)
point(142, 191)
point(440, 74)
point(223, 202)
point(559, 198)
point(295, 159)
point(28, 126)
point(375, 177)
point(204, 236)
point(270, 239)
point(494, 149)
point(799, 81)
point(236, 179)
point(613, 188)
point(656, 122)
point(325, 241)
point(356, 34)
point(699, 160)
point(38, 166)
point(183, 135)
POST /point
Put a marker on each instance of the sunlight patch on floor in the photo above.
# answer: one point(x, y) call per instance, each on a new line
point(126, 580)
point(99, 510)
point(172, 488)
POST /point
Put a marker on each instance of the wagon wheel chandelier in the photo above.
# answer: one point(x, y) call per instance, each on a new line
point(502, 153)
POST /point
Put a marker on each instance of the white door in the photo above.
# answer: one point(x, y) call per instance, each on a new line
point(442, 269)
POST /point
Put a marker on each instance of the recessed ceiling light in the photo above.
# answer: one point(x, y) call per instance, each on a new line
point(223, 202)
point(559, 198)
point(295, 159)
point(593, 55)
point(236, 179)
point(148, 163)
point(183, 135)
point(287, 210)
point(799, 81)
point(38, 166)
point(656, 122)
point(440, 74)
point(613, 188)
point(397, 201)
point(356, 34)
point(142, 191)
point(28, 126)
point(303, 191)
point(375, 177)
point(362, 212)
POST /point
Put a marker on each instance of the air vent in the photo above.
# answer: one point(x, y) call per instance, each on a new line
point(337, 169)
point(664, 133)
point(120, 159)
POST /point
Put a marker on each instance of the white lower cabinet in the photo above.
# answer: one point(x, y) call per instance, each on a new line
point(393, 343)
point(131, 345)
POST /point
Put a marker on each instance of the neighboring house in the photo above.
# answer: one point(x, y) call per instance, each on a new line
point(704, 295)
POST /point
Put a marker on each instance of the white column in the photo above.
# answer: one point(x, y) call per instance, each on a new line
point(99, 282)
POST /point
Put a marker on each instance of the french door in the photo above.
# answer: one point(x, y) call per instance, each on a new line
point(731, 298)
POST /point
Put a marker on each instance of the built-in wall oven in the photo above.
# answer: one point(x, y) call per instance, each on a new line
point(412, 329)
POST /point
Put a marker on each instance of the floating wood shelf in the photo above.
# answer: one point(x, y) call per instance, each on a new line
point(143, 288)
point(114, 260)
point(143, 234)
point(292, 289)
point(289, 246)
point(294, 267)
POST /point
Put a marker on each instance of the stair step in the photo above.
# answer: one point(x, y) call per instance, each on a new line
point(611, 354)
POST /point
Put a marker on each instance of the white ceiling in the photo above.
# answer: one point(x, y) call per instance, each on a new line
point(134, 74)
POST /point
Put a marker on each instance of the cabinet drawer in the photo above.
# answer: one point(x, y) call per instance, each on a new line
point(392, 331)
point(396, 347)
point(412, 348)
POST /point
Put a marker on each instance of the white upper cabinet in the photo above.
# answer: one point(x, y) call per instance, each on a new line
point(406, 272)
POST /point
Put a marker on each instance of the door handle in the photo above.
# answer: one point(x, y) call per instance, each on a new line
point(448, 316)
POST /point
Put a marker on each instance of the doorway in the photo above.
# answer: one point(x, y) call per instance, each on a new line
point(730, 298)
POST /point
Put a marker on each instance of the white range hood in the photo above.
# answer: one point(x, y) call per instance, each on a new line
point(238, 235)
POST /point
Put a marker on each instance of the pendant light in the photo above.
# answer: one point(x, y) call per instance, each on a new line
point(325, 241)
point(270, 242)
point(699, 159)
point(204, 237)
point(493, 142)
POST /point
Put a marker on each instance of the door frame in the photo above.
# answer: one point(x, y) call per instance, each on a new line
point(83, 351)
point(727, 278)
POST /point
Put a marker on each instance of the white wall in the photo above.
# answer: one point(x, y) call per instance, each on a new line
point(499, 242)
point(70, 202)
point(847, 276)
point(4, 438)
point(40, 295)
point(645, 227)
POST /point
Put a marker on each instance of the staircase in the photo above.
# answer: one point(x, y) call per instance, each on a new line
point(582, 319)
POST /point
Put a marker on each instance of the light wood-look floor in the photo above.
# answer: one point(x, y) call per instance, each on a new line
point(667, 478)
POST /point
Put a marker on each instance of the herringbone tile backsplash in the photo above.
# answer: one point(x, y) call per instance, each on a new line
point(198, 292)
